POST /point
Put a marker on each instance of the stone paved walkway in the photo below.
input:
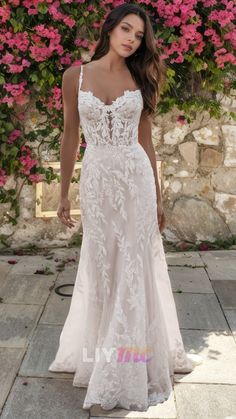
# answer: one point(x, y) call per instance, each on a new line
point(32, 316)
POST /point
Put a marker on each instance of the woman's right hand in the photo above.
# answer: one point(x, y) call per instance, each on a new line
point(63, 213)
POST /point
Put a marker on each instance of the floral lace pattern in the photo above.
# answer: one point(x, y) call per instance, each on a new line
point(122, 298)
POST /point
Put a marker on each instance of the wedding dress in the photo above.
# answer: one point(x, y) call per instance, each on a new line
point(121, 338)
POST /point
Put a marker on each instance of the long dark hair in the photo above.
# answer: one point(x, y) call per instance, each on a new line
point(145, 65)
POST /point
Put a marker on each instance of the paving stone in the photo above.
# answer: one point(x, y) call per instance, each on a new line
point(199, 311)
point(10, 359)
point(184, 258)
point(218, 350)
point(6, 258)
point(41, 352)
point(27, 265)
point(160, 411)
point(57, 308)
point(68, 275)
point(189, 279)
point(64, 253)
point(45, 398)
point(226, 292)
point(28, 289)
point(5, 268)
point(231, 318)
point(221, 264)
point(205, 401)
point(227, 254)
point(17, 322)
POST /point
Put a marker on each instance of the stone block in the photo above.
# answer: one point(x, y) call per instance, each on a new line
point(226, 292)
point(17, 321)
point(218, 352)
point(224, 180)
point(229, 133)
point(57, 307)
point(199, 311)
point(208, 401)
point(176, 135)
point(198, 186)
point(41, 352)
point(189, 280)
point(176, 186)
point(231, 318)
point(230, 157)
point(27, 265)
point(189, 151)
point(226, 203)
point(44, 398)
point(194, 219)
point(4, 270)
point(10, 359)
point(207, 135)
point(28, 289)
point(220, 264)
point(183, 173)
point(210, 158)
point(187, 259)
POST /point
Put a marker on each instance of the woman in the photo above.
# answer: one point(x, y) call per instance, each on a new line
point(121, 337)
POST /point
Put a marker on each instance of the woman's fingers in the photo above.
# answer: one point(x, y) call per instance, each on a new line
point(64, 216)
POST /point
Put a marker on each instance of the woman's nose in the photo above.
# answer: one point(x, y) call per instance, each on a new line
point(131, 38)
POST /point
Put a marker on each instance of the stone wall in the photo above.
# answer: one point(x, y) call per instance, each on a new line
point(198, 175)
point(198, 180)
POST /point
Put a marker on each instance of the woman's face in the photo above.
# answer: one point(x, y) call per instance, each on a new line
point(129, 32)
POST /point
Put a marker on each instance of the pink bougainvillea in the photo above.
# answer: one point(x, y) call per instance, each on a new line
point(39, 39)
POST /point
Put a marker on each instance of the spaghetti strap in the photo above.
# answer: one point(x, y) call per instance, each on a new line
point(81, 76)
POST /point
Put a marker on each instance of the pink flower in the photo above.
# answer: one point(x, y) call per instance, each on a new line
point(21, 116)
point(38, 177)
point(15, 89)
point(66, 60)
point(19, 40)
point(223, 17)
point(69, 21)
point(7, 58)
point(5, 13)
point(16, 133)
point(181, 119)
point(203, 246)
point(3, 177)
point(14, 2)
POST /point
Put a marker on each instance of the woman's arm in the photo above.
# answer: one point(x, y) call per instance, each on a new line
point(71, 136)
point(69, 142)
point(145, 139)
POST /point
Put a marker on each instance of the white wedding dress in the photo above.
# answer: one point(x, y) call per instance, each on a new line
point(121, 338)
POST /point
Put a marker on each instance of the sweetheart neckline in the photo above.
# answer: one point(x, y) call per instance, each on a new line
point(115, 100)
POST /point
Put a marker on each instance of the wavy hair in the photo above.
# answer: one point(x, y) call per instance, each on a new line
point(145, 65)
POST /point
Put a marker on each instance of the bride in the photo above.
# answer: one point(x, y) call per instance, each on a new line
point(121, 338)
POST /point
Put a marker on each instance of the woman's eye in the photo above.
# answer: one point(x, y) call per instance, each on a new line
point(138, 36)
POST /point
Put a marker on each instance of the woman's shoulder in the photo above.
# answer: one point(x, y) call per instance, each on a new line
point(72, 71)
point(70, 77)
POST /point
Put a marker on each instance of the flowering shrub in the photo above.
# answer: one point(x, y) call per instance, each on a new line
point(39, 39)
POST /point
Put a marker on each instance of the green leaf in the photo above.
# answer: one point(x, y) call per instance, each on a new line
point(42, 8)
point(2, 79)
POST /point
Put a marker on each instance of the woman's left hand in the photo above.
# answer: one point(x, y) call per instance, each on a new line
point(161, 217)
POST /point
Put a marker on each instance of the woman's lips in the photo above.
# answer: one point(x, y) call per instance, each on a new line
point(127, 47)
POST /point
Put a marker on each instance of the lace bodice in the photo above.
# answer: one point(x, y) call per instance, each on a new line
point(115, 124)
